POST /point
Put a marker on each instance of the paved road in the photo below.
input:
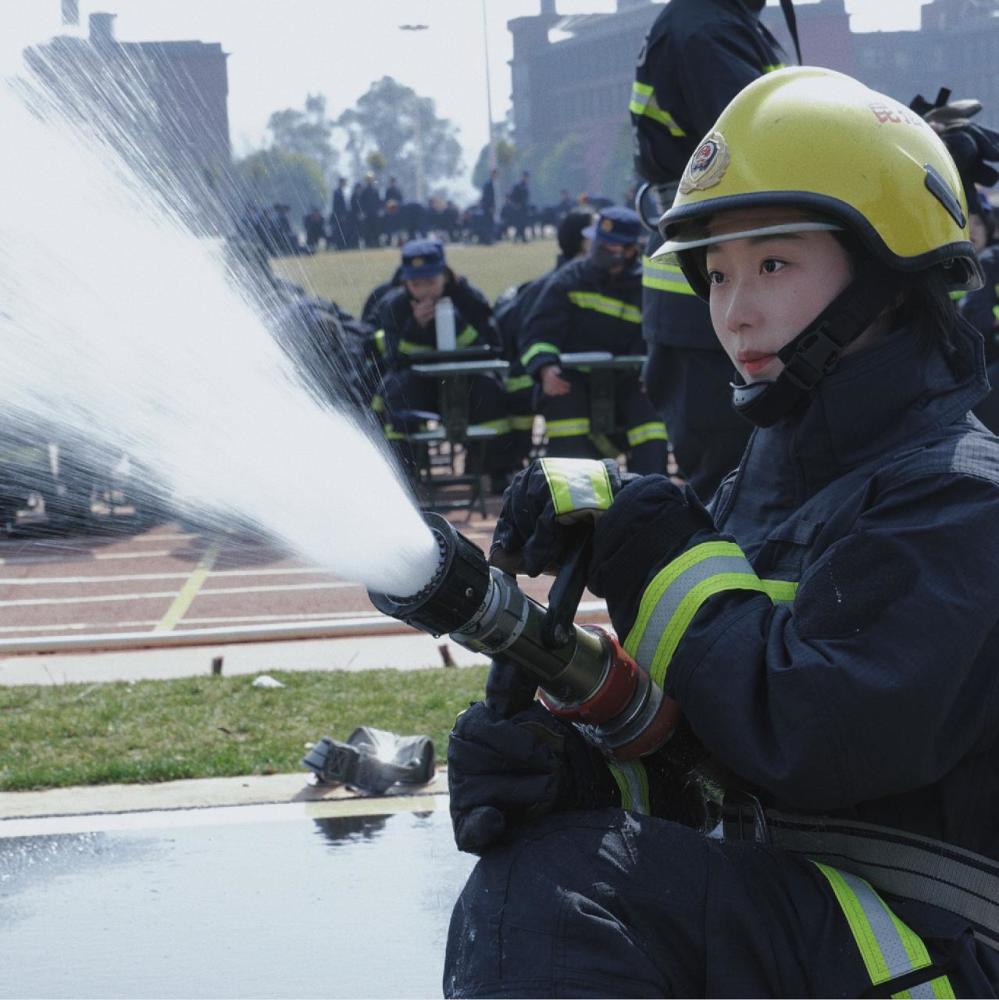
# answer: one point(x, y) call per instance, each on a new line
point(167, 578)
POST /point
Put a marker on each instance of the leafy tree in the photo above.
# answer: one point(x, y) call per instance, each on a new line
point(375, 161)
point(508, 159)
point(271, 176)
point(403, 127)
point(563, 166)
point(305, 133)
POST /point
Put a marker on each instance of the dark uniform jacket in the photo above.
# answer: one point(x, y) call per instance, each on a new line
point(698, 55)
point(866, 686)
point(400, 336)
point(981, 308)
point(578, 310)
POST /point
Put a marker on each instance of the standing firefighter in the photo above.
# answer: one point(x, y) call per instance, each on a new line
point(828, 626)
point(697, 57)
point(594, 304)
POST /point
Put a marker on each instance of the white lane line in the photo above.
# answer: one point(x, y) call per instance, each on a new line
point(210, 620)
point(71, 557)
point(24, 602)
point(37, 581)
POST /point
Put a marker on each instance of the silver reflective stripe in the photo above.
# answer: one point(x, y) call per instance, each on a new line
point(669, 602)
point(634, 785)
point(882, 926)
point(577, 484)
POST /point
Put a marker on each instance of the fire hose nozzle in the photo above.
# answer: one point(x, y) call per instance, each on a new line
point(584, 674)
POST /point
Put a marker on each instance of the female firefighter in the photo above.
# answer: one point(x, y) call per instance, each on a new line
point(829, 626)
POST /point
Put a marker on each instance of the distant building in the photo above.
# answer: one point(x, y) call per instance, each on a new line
point(573, 75)
point(169, 99)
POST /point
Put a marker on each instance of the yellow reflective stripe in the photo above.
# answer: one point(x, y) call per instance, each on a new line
point(643, 102)
point(957, 296)
point(772, 67)
point(577, 484)
point(501, 426)
point(633, 782)
point(995, 312)
point(391, 434)
point(524, 423)
point(467, 337)
point(380, 342)
point(888, 947)
point(568, 428)
point(607, 306)
point(664, 277)
point(541, 347)
point(411, 347)
point(677, 592)
point(655, 430)
point(377, 403)
point(518, 382)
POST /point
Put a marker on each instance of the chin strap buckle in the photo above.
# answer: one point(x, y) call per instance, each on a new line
point(813, 357)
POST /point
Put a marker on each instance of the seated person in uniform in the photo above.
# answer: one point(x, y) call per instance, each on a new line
point(407, 328)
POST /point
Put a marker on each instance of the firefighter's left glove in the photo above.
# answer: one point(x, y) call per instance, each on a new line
point(504, 774)
point(650, 524)
point(541, 506)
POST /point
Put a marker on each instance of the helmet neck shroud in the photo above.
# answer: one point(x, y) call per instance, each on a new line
point(815, 352)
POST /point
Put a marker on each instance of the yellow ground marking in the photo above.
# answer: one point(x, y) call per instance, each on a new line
point(190, 589)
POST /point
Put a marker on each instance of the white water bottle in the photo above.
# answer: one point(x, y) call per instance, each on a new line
point(444, 324)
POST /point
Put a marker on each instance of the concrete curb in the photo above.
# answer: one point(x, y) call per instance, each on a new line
point(201, 793)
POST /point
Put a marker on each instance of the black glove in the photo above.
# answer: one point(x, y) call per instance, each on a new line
point(651, 522)
point(542, 505)
point(505, 773)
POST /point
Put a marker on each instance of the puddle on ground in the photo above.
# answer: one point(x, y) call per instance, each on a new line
point(345, 906)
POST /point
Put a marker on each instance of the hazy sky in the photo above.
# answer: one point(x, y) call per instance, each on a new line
point(281, 50)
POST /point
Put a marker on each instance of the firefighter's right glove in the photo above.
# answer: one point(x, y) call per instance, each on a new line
point(540, 507)
point(504, 774)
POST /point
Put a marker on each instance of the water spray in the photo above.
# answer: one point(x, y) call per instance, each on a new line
point(584, 674)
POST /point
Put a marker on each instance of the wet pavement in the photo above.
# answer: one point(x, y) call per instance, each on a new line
point(292, 900)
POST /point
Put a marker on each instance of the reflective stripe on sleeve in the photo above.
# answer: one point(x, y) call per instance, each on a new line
point(577, 484)
point(541, 347)
point(634, 785)
point(501, 426)
point(655, 430)
point(888, 947)
point(467, 337)
point(607, 306)
point(772, 67)
point(380, 342)
point(677, 592)
point(568, 428)
point(524, 423)
point(411, 347)
point(664, 277)
point(518, 382)
point(643, 102)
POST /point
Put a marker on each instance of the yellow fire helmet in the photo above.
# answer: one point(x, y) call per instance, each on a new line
point(822, 143)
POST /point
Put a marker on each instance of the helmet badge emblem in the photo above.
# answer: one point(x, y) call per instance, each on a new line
point(707, 166)
point(607, 225)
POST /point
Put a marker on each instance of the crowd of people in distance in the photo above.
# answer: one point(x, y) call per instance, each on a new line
point(590, 301)
point(367, 216)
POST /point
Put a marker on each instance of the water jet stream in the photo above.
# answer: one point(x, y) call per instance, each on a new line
point(122, 330)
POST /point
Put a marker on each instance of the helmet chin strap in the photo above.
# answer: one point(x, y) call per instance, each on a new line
point(816, 351)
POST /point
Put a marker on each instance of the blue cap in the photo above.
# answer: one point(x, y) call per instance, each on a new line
point(422, 259)
point(616, 225)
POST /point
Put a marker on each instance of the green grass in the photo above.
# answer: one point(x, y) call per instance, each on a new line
point(201, 727)
point(348, 277)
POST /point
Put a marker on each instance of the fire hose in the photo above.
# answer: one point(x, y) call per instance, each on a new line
point(583, 673)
